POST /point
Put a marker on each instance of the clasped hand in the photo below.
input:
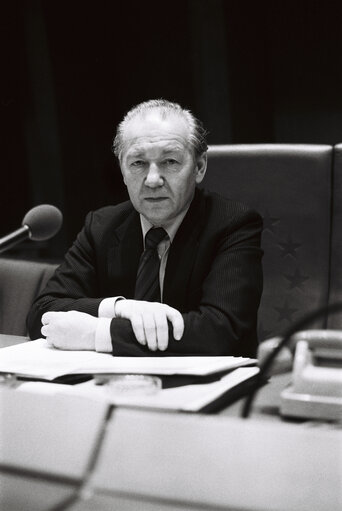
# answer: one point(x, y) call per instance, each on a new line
point(149, 322)
point(75, 330)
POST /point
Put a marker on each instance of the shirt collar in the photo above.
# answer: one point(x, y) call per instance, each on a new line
point(170, 227)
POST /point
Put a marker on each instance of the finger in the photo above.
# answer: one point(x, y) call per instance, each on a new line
point(50, 343)
point(150, 331)
point(48, 316)
point(138, 329)
point(44, 330)
point(45, 318)
point(162, 331)
point(177, 322)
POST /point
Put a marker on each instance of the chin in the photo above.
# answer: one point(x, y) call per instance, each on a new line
point(156, 217)
point(156, 220)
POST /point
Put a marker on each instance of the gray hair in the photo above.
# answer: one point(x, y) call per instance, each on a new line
point(198, 134)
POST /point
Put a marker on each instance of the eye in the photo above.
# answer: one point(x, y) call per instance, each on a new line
point(171, 162)
point(137, 163)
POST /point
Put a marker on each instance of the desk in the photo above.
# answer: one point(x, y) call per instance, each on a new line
point(46, 446)
point(149, 461)
point(24, 492)
point(10, 340)
point(220, 461)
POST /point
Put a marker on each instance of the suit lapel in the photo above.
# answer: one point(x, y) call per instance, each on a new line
point(182, 254)
point(125, 253)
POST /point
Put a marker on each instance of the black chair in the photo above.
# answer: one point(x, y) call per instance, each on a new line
point(291, 186)
point(335, 294)
point(20, 282)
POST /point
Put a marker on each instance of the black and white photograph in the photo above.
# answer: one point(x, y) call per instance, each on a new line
point(171, 255)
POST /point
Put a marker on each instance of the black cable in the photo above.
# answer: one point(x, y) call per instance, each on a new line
point(265, 366)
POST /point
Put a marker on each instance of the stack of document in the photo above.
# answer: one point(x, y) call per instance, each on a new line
point(36, 360)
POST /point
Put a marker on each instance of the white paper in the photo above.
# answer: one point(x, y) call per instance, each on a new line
point(188, 398)
point(37, 359)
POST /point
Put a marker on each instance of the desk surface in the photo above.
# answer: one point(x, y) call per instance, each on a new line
point(10, 340)
point(218, 461)
point(138, 460)
point(24, 492)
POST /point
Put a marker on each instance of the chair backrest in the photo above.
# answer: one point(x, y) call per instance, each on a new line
point(290, 185)
point(335, 295)
point(20, 283)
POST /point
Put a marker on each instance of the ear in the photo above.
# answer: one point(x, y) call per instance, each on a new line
point(201, 167)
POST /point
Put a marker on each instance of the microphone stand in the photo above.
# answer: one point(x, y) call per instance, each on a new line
point(14, 237)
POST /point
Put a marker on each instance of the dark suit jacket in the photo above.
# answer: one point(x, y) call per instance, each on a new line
point(213, 276)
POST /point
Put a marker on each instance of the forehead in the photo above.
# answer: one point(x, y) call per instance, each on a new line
point(152, 131)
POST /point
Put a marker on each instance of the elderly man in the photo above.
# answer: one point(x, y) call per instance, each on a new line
point(173, 271)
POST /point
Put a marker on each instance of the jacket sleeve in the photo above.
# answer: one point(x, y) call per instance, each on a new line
point(224, 321)
point(74, 285)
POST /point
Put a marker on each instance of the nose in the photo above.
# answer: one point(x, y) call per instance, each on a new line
point(154, 179)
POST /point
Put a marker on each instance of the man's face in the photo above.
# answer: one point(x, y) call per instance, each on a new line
point(159, 168)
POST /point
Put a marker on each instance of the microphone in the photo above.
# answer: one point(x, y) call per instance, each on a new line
point(40, 223)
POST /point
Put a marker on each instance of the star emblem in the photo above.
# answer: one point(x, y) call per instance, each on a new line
point(289, 247)
point(296, 280)
point(269, 222)
point(285, 312)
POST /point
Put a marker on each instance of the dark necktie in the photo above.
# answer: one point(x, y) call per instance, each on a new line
point(147, 283)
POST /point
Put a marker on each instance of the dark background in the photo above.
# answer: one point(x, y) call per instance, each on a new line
point(252, 71)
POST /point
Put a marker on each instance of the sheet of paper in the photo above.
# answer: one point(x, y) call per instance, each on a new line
point(189, 398)
point(37, 359)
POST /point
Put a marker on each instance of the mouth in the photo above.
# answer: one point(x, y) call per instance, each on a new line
point(155, 199)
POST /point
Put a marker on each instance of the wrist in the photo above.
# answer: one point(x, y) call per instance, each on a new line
point(102, 336)
point(107, 307)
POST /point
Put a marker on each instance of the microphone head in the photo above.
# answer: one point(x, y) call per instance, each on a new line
point(43, 221)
